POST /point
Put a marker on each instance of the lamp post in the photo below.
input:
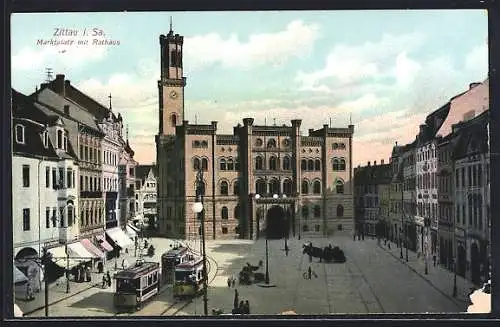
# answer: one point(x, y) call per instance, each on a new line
point(427, 222)
point(266, 280)
point(198, 209)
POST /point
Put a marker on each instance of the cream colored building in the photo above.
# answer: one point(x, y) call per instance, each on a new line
point(256, 177)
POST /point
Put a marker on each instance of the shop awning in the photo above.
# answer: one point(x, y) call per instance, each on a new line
point(119, 237)
point(78, 250)
point(19, 277)
point(135, 229)
point(92, 248)
point(60, 258)
point(131, 232)
point(101, 241)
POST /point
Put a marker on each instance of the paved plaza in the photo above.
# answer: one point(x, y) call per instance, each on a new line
point(373, 280)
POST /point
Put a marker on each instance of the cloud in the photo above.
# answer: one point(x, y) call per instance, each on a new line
point(477, 58)
point(69, 56)
point(267, 48)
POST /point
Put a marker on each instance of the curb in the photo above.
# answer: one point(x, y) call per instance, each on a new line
point(455, 300)
point(60, 300)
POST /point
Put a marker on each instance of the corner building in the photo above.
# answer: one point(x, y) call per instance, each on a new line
point(256, 177)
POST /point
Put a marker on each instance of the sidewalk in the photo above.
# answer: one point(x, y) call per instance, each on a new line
point(440, 278)
point(57, 290)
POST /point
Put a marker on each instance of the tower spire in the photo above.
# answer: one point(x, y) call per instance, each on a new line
point(350, 118)
point(126, 133)
point(110, 107)
point(171, 24)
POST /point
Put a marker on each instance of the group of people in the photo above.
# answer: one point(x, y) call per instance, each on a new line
point(83, 274)
point(106, 280)
point(240, 307)
point(231, 281)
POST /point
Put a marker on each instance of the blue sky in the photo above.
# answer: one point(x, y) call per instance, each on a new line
point(387, 69)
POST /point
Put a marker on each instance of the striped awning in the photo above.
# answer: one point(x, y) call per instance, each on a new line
point(60, 258)
point(118, 236)
point(89, 246)
point(101, 241)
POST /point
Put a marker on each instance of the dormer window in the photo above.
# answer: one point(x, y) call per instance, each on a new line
point(20, 134)
point(65, 143)
point(45, 137)
point(59, 139)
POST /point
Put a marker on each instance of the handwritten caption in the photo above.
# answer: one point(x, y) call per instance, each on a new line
point(77, 37)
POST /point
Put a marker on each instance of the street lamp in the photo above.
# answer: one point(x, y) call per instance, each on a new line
point(266, 281)
point(427, 223)
point(198, 209)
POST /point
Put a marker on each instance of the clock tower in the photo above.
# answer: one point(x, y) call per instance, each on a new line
point(171, 84)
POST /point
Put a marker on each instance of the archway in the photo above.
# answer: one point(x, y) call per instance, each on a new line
point(27, 261)
point(461, 261)
point(475, 264)
point(276, 223)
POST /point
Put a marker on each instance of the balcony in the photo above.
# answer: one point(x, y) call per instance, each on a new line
point(91, 194)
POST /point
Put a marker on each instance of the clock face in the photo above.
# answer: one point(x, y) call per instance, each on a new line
point(173, 94)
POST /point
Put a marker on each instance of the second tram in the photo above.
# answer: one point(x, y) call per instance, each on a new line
point(189, 278)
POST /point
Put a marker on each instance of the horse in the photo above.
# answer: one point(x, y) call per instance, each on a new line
point(313, 251)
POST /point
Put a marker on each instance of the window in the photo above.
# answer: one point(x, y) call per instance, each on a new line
point(258, 163)
point(224, 188)
point(223, 164)
point(271, 144)
point(317, 211)
point(335, 146)
point(236, 188)
point(26, 176)
point(204, 164)
point(342, 164)
point(258, 142)
point(303, 164)
point(317, 187)
point(237, 212)
point(340, 211)
point(204, 144)
point(173, 120)
point(273, 163)
point(59, 139)
point(310, 164)
point(230, 164)
point(286, 163)
point(47, 217)
point(224, 230)
point(305, 211)
point(196, 164)
point(237, 164)
point(305, 228)
point(287, 187)
point(81, 183)
point(54, 217)
point(274, 187)
point(224, 213)
point(65, 142)
point(69, 177)
point(26, 219)
point(305, 187)
point(20, 134)
point(336, 164)
point(70, 216)
point(260, 187)
point(196, 144)
point(47, 177)
point(317, 165)
point(339, 185)
point(45, 139)
point(317, 228)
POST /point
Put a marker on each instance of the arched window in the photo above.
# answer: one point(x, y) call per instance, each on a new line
point(305, 212)
point(340, 211)
point(317, 187)
point(287, 187)
point(237, 164)
point(224, 188)
point(342, 164)
point(273, 163)
point(274, 186)
point(59, 139)
point(305, 187)
point(173, 59)
point(305, 228)
point(303, 164)
point(317, 211)
point(224, 213)
point(204, 144)
point(223, 164)
point(204, 164)
point(179, 59)
point(258, 163)
point(286, 163)
point(237, 212)
point(20, 134)
point(317, 165)
point(260, 187)
point(173, 120)
point(196, 164)
point(310, 164)
point(339, 185)
point(271, 144)
point(336, 164)
point(196, 144)
point(236, 188)
point(230, 164)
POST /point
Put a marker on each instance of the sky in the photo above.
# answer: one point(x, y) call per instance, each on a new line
point(382, 70)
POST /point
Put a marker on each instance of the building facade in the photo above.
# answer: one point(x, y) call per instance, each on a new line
point(258, 177)
point(126, 175)
point(45, 201)
point(146, 191)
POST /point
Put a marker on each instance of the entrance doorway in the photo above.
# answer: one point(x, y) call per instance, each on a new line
point(276, 222)
point(461, 261)
point(475, 264)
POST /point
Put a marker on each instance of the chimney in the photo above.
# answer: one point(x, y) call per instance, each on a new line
point(422, 128)
point(382, 161)
point(375, 162)
point(59, 85)
point(368, 164)
point(473, 85)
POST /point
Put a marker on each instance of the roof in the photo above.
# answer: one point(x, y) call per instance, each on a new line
point(433, 123)
point(376, 174)
point(137, 270)
point(142, 171)
point(189, 264)
point(472, 137)
point(175, 251)
point(56, 103)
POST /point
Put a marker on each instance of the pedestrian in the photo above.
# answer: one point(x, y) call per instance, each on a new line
point(229, 281)
point(309, 272)
point(434, 259)
point(104, 281)
point(241, 307)
point(88, 275)
point(123, 264)
point(108, 277)
point(247, 307)
point(389, 245)
point(233, 282)
point(236, 299)
point(29, 292)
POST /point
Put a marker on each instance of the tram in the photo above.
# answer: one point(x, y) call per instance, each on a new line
point(189, 278)
point(136, 284)
point(177, 255)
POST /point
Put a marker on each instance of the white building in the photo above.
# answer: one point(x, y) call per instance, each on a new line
point(126, 172)
point(145, 194)
point(45, 196)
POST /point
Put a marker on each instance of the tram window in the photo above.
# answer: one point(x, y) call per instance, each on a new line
point(125, 285)
point(181, 275)
point(150, 280)
point(199, 274)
